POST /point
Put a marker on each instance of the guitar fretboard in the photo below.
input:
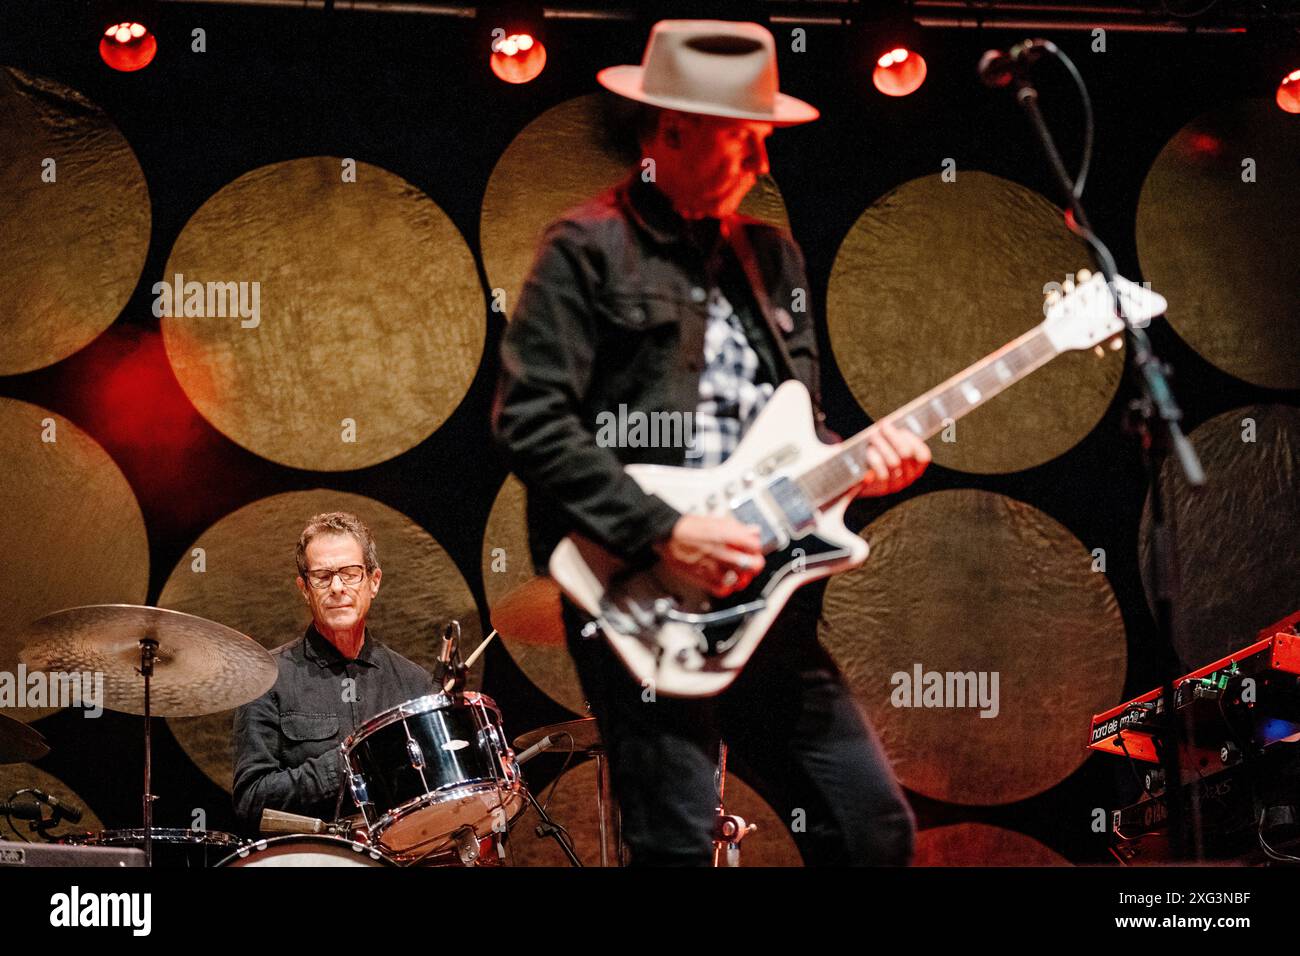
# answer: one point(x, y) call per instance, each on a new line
point(933, 411)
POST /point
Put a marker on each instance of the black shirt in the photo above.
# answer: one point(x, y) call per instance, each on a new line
point(286, 741)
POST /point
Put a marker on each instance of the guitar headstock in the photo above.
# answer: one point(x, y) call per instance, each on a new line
point(1085, 316)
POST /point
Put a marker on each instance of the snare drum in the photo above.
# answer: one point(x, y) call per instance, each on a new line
point(193, 849)
point(424, 772)
point(306, 850)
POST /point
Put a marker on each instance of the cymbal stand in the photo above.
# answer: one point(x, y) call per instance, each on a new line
point(728, 828)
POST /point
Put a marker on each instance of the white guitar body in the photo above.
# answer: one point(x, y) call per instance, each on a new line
point(669, 653)
point(679, 639)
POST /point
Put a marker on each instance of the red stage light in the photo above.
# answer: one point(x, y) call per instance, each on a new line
point(128, 46)
point(899, 72)
point(518, 58)
point(1288, 92)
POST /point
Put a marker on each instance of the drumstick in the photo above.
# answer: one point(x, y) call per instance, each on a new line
point(469, 661)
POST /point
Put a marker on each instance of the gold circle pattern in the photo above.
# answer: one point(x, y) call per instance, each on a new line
point(1238, 551)
point(976, 584)
point(1218, 223)
point(934, 276)
point(79, 536)
point(365, 319)
point(74, 221)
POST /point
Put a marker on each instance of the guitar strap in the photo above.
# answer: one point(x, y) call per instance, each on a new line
point(749, 262)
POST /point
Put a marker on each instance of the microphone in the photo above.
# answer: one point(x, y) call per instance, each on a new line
point(446, 677)
point(62, 811)
point(546, 743)
point(998, 68)
point(21, 809)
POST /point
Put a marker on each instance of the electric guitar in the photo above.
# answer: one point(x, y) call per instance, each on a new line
point(674, 635)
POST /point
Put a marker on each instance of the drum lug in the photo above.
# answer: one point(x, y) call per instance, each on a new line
point(415, 753)
point(359, 793)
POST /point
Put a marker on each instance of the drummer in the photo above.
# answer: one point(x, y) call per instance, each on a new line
point(332, 679)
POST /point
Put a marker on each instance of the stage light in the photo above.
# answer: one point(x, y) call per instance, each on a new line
point(1288, 92)
point(889, 38)
point(518, 57)
point(899, 72)
point(128, 46)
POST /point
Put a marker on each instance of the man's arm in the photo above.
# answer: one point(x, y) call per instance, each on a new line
point(548, 356)
point(260, 782)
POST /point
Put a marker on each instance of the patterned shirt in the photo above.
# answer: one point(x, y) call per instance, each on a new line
point(730, 395)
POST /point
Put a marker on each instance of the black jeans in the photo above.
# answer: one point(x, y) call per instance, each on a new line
point(793, 731)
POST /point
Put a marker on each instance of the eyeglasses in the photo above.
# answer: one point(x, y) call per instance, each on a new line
point(351, 576)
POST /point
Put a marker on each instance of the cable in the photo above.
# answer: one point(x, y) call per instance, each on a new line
point(1164, 8)
point(1268, 850)
point(1089, 126)
point(9, 818)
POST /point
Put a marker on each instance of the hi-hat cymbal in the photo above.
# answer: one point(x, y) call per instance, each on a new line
point(531, 613)
point(579, 735)
point(201, 667)
point(19, 743)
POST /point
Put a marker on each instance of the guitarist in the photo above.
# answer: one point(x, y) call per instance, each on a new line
point(639, 302)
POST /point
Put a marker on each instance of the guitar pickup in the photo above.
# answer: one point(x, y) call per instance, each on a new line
point(748, 512)
point(793, 504)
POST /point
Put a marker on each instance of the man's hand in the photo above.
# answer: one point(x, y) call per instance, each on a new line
point(895, 459)
point(719, 554)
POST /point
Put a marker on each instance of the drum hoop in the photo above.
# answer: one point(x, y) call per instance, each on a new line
point(435, 797)
point(257, 846)
point(415, 708)
point(170, 835)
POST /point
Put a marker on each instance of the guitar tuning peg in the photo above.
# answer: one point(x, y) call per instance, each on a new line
point(1117, 343)
point(1098, 351)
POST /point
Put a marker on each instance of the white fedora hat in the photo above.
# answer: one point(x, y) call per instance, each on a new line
point(712, 67)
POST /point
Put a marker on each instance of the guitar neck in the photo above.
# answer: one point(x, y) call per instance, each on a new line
point(932, 412)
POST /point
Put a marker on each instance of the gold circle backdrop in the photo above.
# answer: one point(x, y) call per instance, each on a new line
point(556, 162)
point(1238, 549)
point(934, 276)
point(508, 564)
point(973, 583)
point(74, 221)
point(369, 323)
point(977, 844)
point(247, 583)
point(1218, 223)
point(76, 536)
point(574, 808)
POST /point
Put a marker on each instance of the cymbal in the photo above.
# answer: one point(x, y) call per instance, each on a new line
point(580, 736)
point(19, 743)
point(201, 668)
point(531, 613)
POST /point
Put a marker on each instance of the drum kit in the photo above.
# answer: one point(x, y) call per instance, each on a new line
point(434, 781)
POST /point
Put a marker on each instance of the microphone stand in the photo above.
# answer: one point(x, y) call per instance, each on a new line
point(1154, 418)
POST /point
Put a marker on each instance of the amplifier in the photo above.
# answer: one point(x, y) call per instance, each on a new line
point(55, 854)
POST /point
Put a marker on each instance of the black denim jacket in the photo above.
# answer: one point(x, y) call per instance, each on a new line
point(613, 314)
point(286, 741)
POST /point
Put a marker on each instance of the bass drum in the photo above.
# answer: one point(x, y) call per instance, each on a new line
point(306, 851)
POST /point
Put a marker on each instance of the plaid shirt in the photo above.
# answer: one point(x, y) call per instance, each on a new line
point(730, 395)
